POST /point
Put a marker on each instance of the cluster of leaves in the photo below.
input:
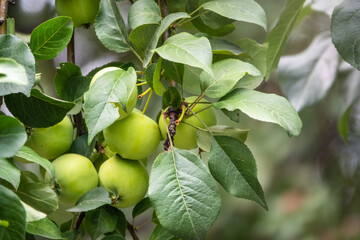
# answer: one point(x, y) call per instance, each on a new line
point(183, 190)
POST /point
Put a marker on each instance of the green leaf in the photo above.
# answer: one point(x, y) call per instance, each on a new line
point(94, 198)
point(221, 46)
point(69, 82)
point(45, 228)
point(122, 65)
point(239, 10)
point(37, 194)
point(160, 233)
point(188, 49)
point(31, 156)
point(204, 137)
point(305, 78)
point(257, 53)
point(32, 214)
point(111, 88)
point(183, 194)
point(13, 73)
point(51, 37)
point(149, 75)
point(9, 172)
point(227, 73)
point(234, 167)
point(191, 80)
point(16, 49)
point(38, 110)
point(171, 98)
point(264, 107)
point(80, 146)
point(174, 71)
point(114, 237)
point(145, 37)
point(278, 36)
point(344, 124)
point(110, 27)
point(12, 136)
point(71, 235)
point(345, 31)
point(143, 12)
point(141, 207)
point(13, 212)
point(156, 82)
point(100, 221)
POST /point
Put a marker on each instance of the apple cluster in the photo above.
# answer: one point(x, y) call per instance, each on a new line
point(127, 144)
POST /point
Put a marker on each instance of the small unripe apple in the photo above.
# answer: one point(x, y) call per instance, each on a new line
point(126, 180)
point(74, 176)
point(82, 12)
point(185, 137)
point(134, 137)
point(132, 99)
point(52, 141)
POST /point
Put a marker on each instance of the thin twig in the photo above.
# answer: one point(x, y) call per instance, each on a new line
point(78, 220)
point(132, 232)
point(3, 13)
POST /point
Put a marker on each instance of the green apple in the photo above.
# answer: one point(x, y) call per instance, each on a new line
point(132, 99)
point(134, 137)
point(74, 176)
point(53, 141)
point(185, 137)
point(82, 12)
point(126, 180)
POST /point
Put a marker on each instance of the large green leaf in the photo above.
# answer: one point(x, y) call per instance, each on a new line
point(257, 53)
point(12, 136)
point(174, 71)
point(101, 220)
point(264, 107)
point(240, 10)
point(278, 36)
point(146, 37)
point(221, 46)
point(94, 198)
point(111, 88)
point(80, 146)
point(37, 194)
point(9, 172)
point(31, 156)
point(143, 12)
point(204, 137)
point(345, 31)
point(188, 49)
point(45, 228)
point(51, 37)
point(38, 110)
point(234, 167)
point(183, 194)
point(16, 49)
point(69, 82)
point(13, 212)
point(110, 27)
point(11, 73)
point(306, 77)
point(227, 73)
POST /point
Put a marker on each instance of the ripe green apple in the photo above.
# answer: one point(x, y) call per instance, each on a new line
point(74, 176)
point(82, 12)
point(52, 141)
point(133, 96)
point(126, 180)
point(134, 137)
point(185, 137)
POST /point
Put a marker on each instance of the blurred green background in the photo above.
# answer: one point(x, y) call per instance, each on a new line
point(311, 182)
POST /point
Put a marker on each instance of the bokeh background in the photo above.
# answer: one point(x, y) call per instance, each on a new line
point(311, 182)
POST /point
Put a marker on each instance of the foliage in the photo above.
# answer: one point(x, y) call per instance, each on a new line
point(178, 52)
